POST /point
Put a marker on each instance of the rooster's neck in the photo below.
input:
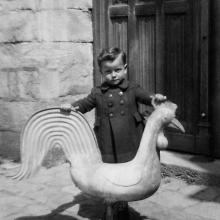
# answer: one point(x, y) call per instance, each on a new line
point(147, 148)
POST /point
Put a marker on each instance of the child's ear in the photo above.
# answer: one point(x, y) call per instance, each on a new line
point(126, 69)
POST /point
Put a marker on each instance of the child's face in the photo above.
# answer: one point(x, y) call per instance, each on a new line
point(114, 71)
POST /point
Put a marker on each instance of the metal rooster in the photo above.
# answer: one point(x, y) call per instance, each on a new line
point(133, 180)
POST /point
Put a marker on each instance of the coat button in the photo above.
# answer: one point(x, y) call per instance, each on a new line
point(122, 112)
point(120, 93)
point(110, 95)
point(111, 114)
point(122, 102)
point(110, 104)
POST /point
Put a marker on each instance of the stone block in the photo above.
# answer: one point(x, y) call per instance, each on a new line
point(65, 4)
point(8, 5)
point(35, 210)
point(193, 190)
point(42, 61)
point(13, 118)
point(46, 25)
point(12, 5)
point(173, 184)
point(15, 114)
point(10, 144)
point(205, 209)
point(32, 71)
point(18, 26)
point(205, 193)
point(64, 25)
point(171, 199)
point(19, 83)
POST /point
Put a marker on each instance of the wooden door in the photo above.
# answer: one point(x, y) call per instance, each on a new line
point(167, 46)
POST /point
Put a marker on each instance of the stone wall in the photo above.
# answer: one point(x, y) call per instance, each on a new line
point(46, 58)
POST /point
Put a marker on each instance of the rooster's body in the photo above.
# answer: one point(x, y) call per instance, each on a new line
point(133, 180)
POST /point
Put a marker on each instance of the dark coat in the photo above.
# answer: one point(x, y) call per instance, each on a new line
point(119, 125)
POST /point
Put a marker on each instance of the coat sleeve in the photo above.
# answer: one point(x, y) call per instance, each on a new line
point(142, 95)
point(86, 104)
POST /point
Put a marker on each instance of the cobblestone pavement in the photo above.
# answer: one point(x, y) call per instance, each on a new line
point(51, 195)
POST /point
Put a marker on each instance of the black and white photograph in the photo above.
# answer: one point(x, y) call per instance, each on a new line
point(109, 109)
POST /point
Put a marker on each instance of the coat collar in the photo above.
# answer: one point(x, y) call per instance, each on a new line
point(123, 86)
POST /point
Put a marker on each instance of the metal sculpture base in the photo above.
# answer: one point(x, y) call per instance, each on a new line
point(109, 213)
point(116, 211)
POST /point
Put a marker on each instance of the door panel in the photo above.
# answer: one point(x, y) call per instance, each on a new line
point(166, 42)
point(119, 33)
point(146, 52)
point(178, 78)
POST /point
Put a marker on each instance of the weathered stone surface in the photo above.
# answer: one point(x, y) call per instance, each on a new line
point(64, 25)
point(46, 25)
point(43, 71)
point(11, 5)
point(15, 114)
point(46, 59)
point(19, 83)
point(205, 209)
point(65, 202)
point(13, 118)
point(17, 26)
point(65, 4)
point(9, 144)
point(165, 198)
point(149, 210)
point(44, 4)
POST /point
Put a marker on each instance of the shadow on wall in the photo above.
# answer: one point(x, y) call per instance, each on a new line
point(89, 208)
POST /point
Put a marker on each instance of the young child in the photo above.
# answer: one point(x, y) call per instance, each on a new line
point(119, 125)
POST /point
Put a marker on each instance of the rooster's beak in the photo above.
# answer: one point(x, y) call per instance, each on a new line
point(177, 125)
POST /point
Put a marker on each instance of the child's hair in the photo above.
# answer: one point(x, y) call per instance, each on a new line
point(111, 54)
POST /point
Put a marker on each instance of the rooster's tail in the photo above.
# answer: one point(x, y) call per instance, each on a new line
point(50, 128)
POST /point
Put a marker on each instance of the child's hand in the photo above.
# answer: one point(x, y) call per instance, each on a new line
point(157, 99)
point(67, 107)
point(160, 98)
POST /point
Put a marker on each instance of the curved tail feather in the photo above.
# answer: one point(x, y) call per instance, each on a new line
point(50, 128)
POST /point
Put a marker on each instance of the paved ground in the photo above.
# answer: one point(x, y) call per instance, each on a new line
point(52, 195)
point(199, 163)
